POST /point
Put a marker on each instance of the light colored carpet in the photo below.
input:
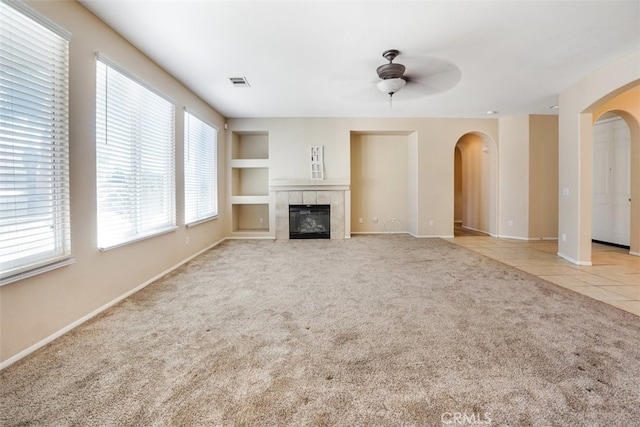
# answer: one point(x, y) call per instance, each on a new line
point(372, 331)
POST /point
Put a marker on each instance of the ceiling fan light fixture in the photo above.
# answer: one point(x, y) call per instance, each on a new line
point(391, 75)
point(391, 86)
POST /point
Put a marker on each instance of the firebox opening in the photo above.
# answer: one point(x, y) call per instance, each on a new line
point(309, 221)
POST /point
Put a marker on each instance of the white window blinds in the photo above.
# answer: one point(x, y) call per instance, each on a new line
point(200, 169)
point(34, 143)
point(135, 159)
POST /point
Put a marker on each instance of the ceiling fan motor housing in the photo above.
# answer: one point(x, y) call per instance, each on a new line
point(390, 70)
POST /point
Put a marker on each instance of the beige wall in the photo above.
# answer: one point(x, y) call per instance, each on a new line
point(529, 177)
point(457, 186)
point(543, 177)
point(514, 174)
point(577, 105)
point(413, 166)
point(430, 166)
point(38, 308)
point(430, 149)
point(379, 198)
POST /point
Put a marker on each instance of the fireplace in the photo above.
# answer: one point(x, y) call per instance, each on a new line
point(333, 193)
point(309, 221)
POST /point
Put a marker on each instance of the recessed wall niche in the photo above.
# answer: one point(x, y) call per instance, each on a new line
point(249, 183)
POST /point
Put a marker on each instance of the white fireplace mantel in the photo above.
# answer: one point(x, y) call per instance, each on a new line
point(309, 185)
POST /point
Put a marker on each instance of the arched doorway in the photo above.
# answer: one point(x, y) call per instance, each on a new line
point(475, 185)
point(613, 87)
point(627, 126)
point(611, 189)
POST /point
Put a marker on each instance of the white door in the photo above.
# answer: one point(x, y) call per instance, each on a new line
point(611, 182)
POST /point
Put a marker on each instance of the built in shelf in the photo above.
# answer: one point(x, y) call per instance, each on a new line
point(250, 163)
point(250, 218)
point(249, 200)
point(249, 145)
point(249, 181)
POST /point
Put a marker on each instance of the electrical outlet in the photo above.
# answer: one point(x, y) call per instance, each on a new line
point(510, 223)
point(374, 220)
point(186, 240)
point(261, 220)
point(361, 220)
point(431, 222)
point(564, 237)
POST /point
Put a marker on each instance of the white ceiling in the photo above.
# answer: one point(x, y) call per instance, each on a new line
point(318, 58)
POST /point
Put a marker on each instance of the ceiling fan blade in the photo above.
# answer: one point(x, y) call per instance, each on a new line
point(435, 76)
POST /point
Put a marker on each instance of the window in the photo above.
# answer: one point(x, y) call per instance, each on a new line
point(34, 144)
point(134, 159)
point(200, 169)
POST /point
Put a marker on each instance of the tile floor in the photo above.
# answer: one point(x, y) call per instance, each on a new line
point(613, 278)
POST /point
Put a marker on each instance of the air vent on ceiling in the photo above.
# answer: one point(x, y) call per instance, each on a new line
point(239, 81)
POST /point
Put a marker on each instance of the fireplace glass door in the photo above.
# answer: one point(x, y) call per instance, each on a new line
point(309, 221)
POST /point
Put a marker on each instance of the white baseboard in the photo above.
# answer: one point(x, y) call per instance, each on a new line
point(528, 239)
point(466, 227)
point(431, 236)
point(250, 238)
point(380, 232)
point(634, 253)
point(99, 310)
point(573, 261)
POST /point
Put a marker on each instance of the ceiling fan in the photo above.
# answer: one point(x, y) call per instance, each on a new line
point(391, 75)
point(439, 76)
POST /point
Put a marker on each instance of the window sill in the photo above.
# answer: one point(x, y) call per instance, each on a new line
point(37, 270)
point(200, 221)
point(138, 238)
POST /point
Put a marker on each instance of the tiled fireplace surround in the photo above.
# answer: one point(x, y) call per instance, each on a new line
point(334, 196)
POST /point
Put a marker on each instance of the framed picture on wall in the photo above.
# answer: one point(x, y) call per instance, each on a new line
point(317, 162)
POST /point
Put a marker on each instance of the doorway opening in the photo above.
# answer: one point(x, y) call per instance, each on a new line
point(611, 187)
point(475, 186)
